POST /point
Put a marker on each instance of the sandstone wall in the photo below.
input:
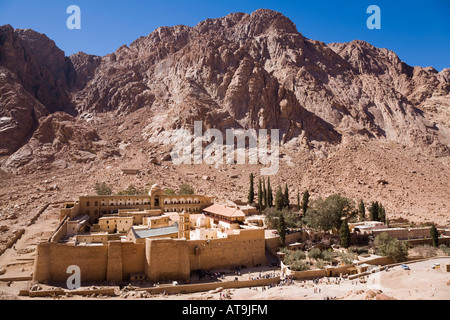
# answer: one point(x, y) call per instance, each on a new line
point(159, 259)
point(53, 259)
point(166, 259)
point(247, 248)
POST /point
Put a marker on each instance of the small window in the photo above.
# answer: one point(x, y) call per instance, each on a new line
point(88, 204)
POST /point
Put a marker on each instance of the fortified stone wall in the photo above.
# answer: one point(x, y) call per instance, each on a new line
point(53, 259)
point(247, 248)
point(61, 231)
point(166, 259)
point(159, 259)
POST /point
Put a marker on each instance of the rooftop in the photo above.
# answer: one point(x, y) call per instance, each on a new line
point(217, 209)
point(146, 233)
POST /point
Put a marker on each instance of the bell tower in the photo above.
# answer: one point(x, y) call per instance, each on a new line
point(184, 226)
point(155, 194)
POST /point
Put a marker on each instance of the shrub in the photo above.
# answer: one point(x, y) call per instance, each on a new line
point(103, 189)
point(445, 249)
point(390, 247)
point(169, 192)
point(347, 258)
point(327, 255)
point(293, 256)
point(185, 189)
point(319, 264)
point(299, 265)
point(358, 250)
point(315, 253)
point(426, 251)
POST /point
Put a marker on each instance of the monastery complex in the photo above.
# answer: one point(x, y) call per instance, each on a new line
point(155, 236)
point(158, 237)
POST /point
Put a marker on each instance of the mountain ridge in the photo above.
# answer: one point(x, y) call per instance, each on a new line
point(336, 103)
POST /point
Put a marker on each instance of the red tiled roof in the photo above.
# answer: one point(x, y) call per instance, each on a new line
point(224, 211)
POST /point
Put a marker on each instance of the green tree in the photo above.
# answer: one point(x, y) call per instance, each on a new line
point(305, 202)
point(362, 210)
point(269, 194)
point(278, 199)
point(327, 214)
point(266, 201)
point(298, 200)
point(185, 189)
point(251, 192)
point(390, 247)
point(260, 196)
point(286, 202)
point(373, 211)
point(169, 192)
point(315, 254)
point(344, 234)
point(381, 213)
point(299, 265)
point(103, 189)
point(291, 219)
point(282, 229)
point(434, 235)
point(131, 191)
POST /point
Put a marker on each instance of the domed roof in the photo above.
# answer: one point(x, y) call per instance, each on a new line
point(156, 187)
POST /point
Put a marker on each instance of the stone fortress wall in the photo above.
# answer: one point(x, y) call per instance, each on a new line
point(157, 258)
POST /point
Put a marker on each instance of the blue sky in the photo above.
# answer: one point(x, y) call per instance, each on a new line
point(418, 31)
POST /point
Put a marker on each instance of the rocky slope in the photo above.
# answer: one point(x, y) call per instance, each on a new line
point(349, 114)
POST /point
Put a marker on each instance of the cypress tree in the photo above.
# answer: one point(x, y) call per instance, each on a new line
point(282, 229)
point(344, 234)
point(269, 193)
point(265, 193)
point(305, 201)
point(278, 199)
point(251, 192)
point(286, 197)
point(298, 200)
point(434, 235)
point(260, 195)
point(373, 211)
point(381, 213)
point(362, 210)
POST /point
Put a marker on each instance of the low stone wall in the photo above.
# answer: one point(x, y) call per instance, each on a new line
point(417, 242)
point(58, 292)
point(60, 232)
point(202, 287)
point(12, 241)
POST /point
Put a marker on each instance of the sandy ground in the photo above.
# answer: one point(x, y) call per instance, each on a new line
point(421, 282)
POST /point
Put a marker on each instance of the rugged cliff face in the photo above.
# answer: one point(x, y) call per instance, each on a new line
point(240, 71)
point(258, 71)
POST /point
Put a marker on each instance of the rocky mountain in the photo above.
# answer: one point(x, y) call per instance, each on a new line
point(240, 71)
